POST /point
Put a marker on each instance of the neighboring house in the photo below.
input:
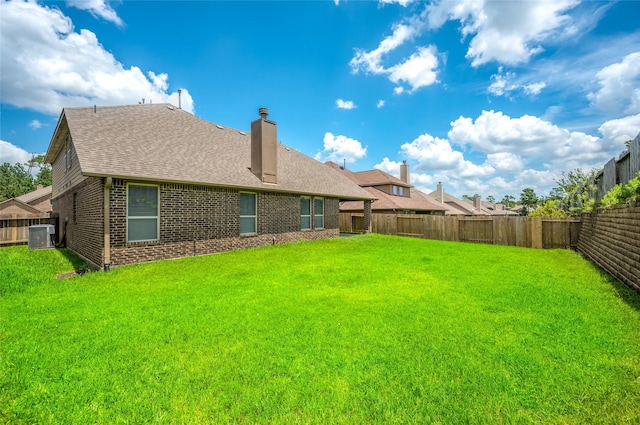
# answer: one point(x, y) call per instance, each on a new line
point(457, 206)
point(394, 196)
point(147, 182)
point(36, 204)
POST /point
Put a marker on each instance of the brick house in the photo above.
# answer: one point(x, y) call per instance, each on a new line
point(393, 195)
point(147, 182)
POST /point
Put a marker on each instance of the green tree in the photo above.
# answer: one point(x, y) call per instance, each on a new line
point(509, 201)
point(14, 181)
point(491, 199)
point(44, 176)
point(575, 190)
point(528, 199)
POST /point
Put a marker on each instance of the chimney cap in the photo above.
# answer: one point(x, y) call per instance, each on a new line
point(263, 112)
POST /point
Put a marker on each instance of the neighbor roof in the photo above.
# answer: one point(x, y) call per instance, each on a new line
point(36, 194)
point(391, 202)
point(159, 142)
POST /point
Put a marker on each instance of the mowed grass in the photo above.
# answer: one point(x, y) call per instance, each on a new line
point(369, 329)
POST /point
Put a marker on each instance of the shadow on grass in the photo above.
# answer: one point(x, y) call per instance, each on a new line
point(78, 264)
point(626, 294)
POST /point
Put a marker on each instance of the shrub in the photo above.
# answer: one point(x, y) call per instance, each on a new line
point(621, 192)
point(551, 208)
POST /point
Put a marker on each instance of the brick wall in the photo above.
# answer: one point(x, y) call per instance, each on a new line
point(611, 239)
point(196, 220)
point(84, 231)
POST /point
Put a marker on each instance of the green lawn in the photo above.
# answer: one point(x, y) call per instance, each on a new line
point(368, 329)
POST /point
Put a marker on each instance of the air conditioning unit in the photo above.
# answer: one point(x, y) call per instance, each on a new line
point(41, 236)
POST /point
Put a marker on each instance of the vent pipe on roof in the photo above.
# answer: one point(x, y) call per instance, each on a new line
point(264, 148)
point(179, 98)
point(404, 172)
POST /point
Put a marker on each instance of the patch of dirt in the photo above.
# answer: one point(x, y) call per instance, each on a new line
point(74, 273)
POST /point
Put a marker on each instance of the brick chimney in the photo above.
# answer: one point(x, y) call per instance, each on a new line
point(477, 204)
point(264, 148)
point(404, 172)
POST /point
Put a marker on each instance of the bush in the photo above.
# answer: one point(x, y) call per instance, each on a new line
point(551, 208)
point(621, 192)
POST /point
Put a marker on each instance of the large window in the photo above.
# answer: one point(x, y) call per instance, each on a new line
point(318, 213)
point(143, 213)
point(305, 213)
point(248, 209)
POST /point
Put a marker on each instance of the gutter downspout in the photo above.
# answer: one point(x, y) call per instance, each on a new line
point(107, 225)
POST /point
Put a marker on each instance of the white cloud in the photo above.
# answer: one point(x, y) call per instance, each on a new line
point(98, 8)
point(620, 130)
point(495, 132)
point(340, 148)
point(380, 103)
point(388, 166)
point(370, 61)
point(35, 124)
point(66, 68)
point(534, 89)
point(12, 154)
point(345, 104)
point(505, 161)
point(336, 2)
point(420, 70)
point(619, 86)
point(402, 3)
point(506, 83)
point(432, 153)
point(508, 32)
point(398, 90)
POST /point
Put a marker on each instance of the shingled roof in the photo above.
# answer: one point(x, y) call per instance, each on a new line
point(159, 142)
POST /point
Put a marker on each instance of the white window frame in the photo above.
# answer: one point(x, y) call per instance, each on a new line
point(318, 215)
point(310, 215)
point(255, 215)
point(157, 216)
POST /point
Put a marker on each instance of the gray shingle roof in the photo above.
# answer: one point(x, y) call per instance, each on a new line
point(159, 142)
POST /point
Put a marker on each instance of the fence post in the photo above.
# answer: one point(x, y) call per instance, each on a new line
point(536, 232)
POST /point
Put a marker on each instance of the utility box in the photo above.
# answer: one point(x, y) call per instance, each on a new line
point(41, 236)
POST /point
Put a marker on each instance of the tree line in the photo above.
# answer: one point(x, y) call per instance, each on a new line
point(16, 180)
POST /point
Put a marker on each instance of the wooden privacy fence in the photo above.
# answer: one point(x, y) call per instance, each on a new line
point(530, 232)
point(15, 230)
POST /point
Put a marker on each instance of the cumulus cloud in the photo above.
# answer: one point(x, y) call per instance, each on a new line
point(345, 104)
point(388, 166)
point(495, 154)
point(98, 8)
point(505, 32)
point(12, 154)
point(67, 68)
point(620, 130)
point(380, 103)
point(619, 86)
point(340, 148)
point(495, 132)
point(418, 70)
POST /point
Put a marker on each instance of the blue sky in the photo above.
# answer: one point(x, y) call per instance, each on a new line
point(487, 97)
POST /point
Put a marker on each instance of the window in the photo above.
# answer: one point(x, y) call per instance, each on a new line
point(305, 213)
point(318, 213)
point(67, 153)
point(395, 190)
point(400, 190)
point(248, 204)
point(143, 213)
